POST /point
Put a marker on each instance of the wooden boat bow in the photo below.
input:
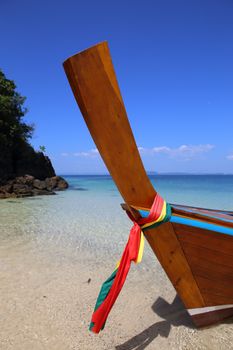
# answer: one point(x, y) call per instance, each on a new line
point(95, 87)
point(186, 245)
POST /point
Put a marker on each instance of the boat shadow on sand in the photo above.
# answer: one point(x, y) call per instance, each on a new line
point(174, 314)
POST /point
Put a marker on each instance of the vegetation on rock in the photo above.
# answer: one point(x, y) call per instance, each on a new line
point(17, 156)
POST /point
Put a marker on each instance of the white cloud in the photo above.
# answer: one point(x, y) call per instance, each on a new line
point(184, 151)
point(162, 149)
point(141, 149)
point(230, 157)
point(91, 153)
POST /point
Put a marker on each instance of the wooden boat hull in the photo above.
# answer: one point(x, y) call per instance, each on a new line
point(210, 257)
point(199, 262)
point(196, 246)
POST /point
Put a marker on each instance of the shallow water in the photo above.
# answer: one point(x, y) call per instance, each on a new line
point(87, 218)
point(50, 246)
point(210, 191)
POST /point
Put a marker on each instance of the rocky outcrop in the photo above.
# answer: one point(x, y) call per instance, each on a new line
point(23, 159)
point(15, 164)
point(28, 185)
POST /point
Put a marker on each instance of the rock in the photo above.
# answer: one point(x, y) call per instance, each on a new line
point(28, 161)
point(51, 182)
point(37, 192)
point(24, 180)
point(61, 184)
point(23, 159)
point(28, 179)
point(40, 185)
point(8, 195)
point(22, 189)
point(6, 188)
point(57, 183)
point(24, 186)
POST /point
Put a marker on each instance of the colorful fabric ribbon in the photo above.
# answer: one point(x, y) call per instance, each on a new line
point(160, 212)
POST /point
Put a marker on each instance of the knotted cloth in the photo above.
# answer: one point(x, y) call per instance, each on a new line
point(160, 212)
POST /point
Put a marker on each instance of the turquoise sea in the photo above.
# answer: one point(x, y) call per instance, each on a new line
point(87, 219)
point(210, 191)
point(55, 252)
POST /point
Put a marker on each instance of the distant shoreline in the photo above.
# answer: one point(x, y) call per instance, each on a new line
point(157, 174)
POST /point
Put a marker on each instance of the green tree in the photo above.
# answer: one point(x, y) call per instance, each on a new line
point(17, 156)
point(14, 132)
point(12, 111)
point(42, 149)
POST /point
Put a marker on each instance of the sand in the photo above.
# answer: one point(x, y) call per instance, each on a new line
point(46, 303)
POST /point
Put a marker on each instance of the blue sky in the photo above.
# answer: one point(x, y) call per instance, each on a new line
point(174, 62)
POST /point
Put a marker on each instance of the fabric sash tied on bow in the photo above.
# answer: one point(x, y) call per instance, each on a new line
point(160, 212)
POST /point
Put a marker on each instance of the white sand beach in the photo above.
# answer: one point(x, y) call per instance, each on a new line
point(46, 303)
point(51, 247)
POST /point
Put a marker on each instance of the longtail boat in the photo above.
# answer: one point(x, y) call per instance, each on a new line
point(193, 245)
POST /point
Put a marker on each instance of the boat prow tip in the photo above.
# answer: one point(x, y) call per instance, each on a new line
point(96, 46)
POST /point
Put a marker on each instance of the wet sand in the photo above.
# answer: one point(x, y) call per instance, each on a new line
point(49, 249)
point(46, 303)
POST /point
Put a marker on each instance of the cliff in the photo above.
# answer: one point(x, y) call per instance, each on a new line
point(23, 171)
point(28, 173)
point(24, 160)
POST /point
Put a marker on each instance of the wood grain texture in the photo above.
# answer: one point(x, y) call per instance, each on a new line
point(219, 242)
point(94, 84)
point(168, 250)
point(207, 319)
point(210, 257)
point(206, 216)
point(199, 209)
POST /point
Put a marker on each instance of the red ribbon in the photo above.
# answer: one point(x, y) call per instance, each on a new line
point(130, 254)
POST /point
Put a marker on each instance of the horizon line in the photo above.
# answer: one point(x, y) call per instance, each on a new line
point(148, 173)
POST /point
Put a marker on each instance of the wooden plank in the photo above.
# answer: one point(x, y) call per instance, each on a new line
point(94, 84)
point(207, 319)
point(199, 215)
point(205, 210)
point(215, 299)
point(219, 214)
point(218, 242)
point(205, 256)
point(167, 248)
point(217, 273)
point(210, 258)
point(207, 285)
